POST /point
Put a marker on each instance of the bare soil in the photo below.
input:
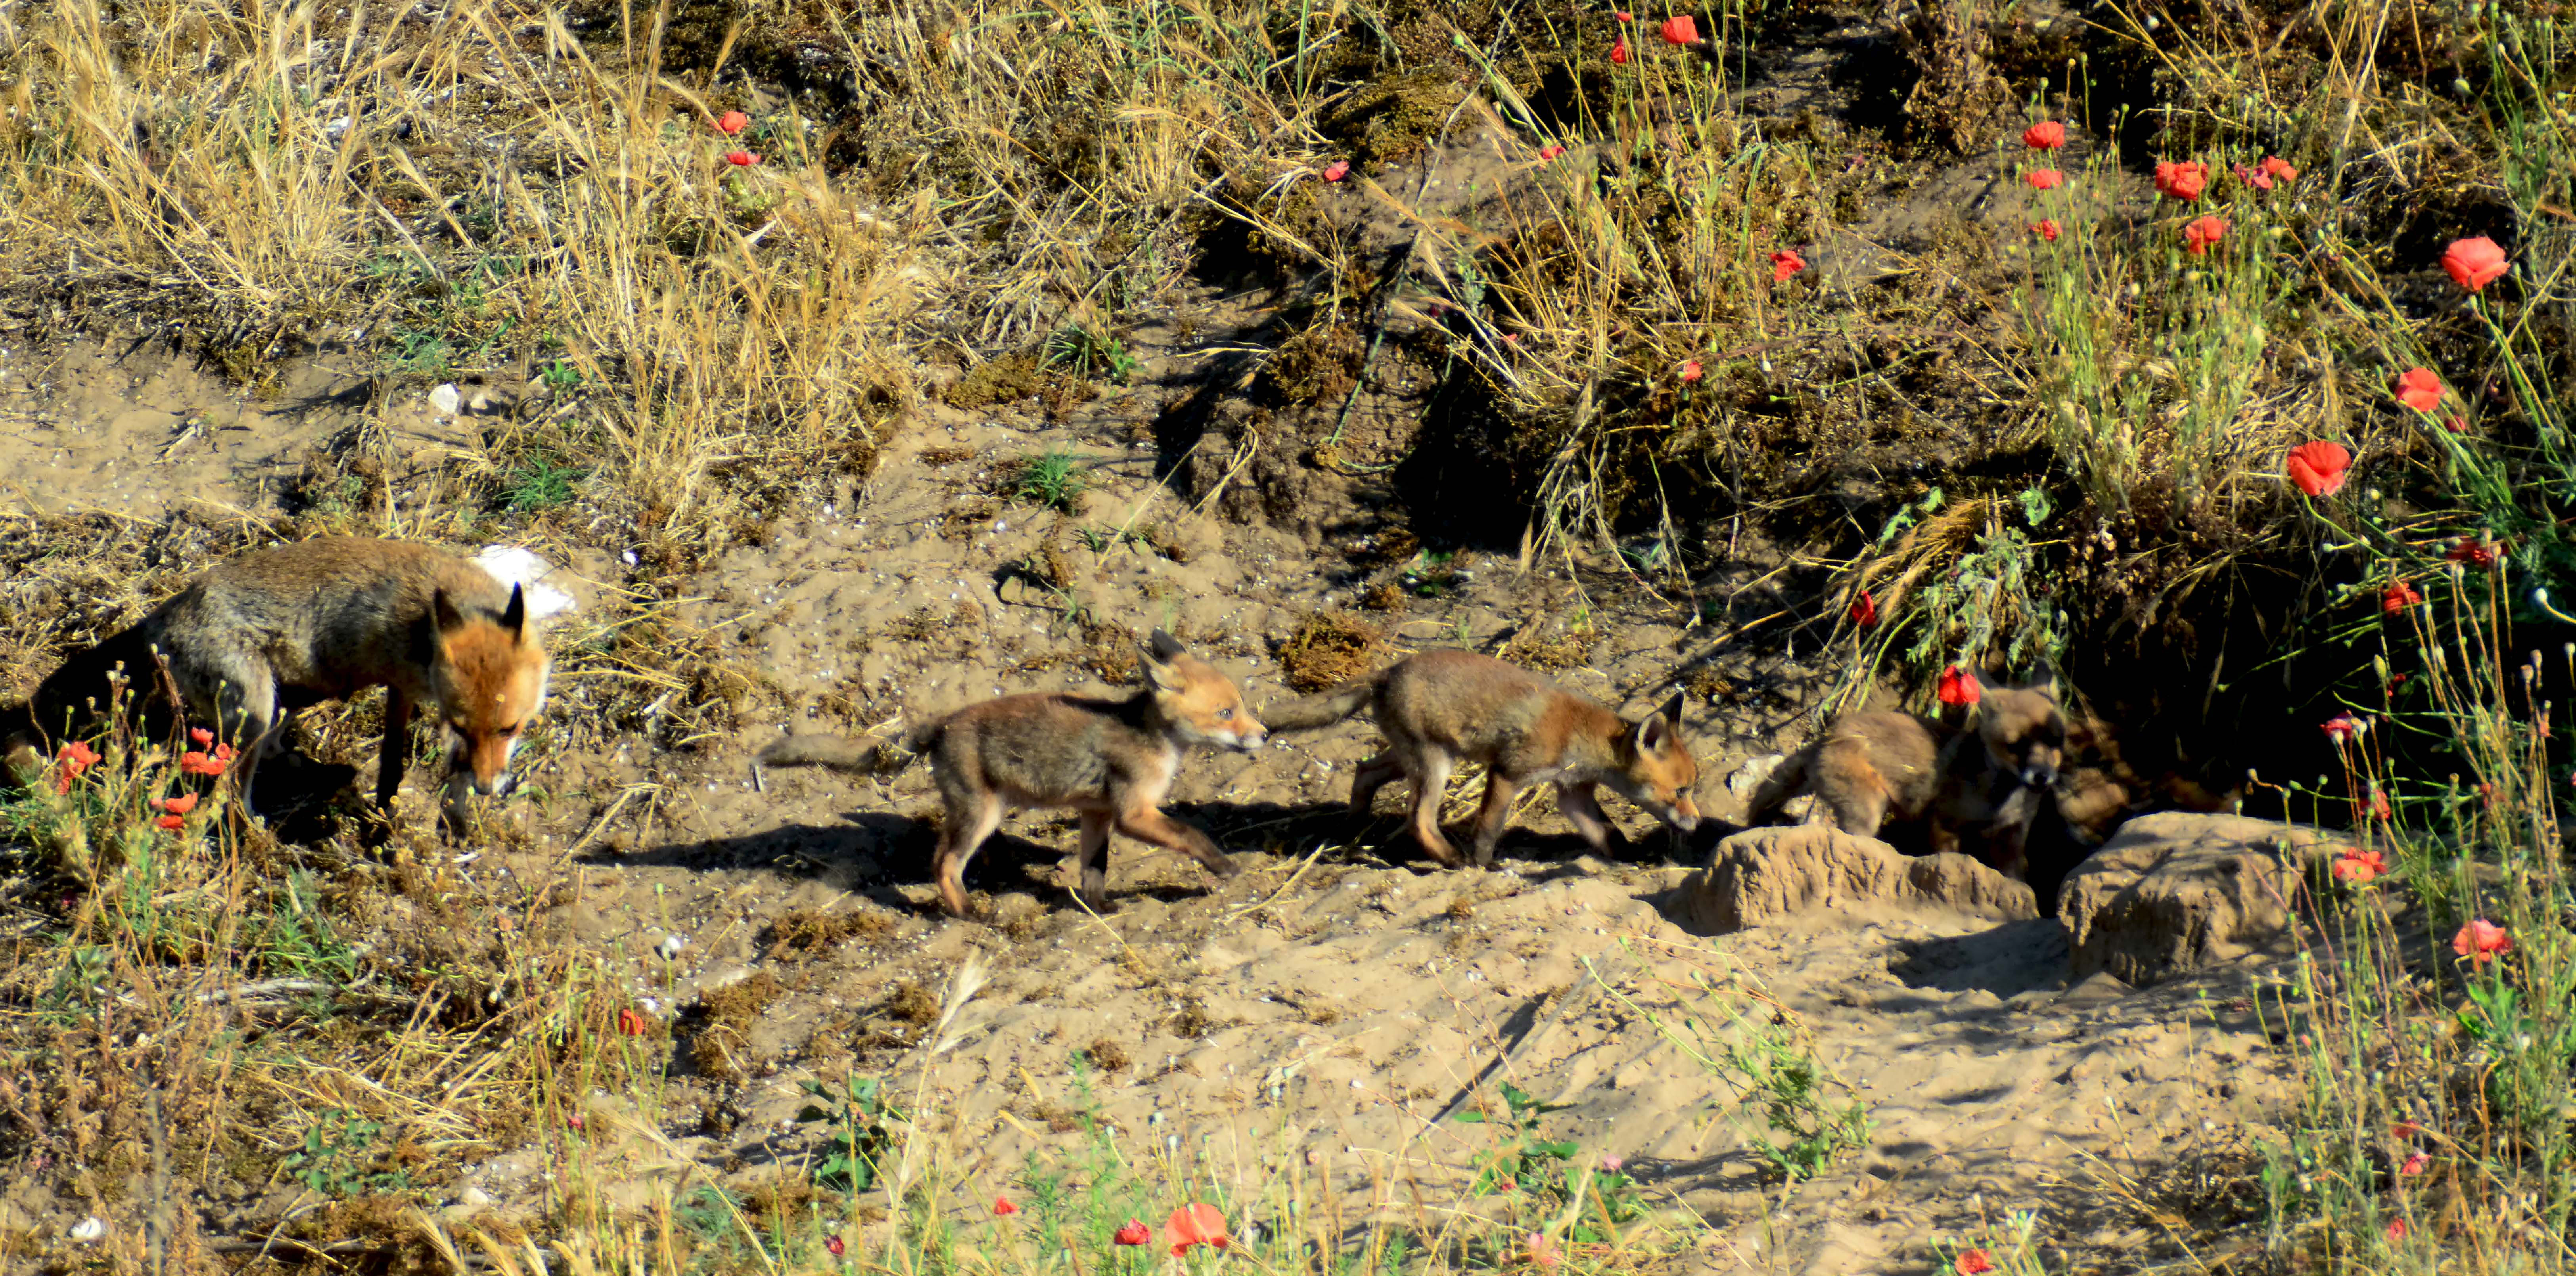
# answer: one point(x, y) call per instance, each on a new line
point(1329, 1005)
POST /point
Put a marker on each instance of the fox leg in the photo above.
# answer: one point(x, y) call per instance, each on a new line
point(1093, 862)
point(1370, 776)
point(1583, 808)
point(1493, 813)
point(1146, 824)
point(1844, 782)
point(972, 817)
point(396, 749)
point(1428, 769)
point(256, 722)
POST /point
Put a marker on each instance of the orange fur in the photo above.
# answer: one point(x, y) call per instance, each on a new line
point(1110, 760)
point(1981, 787)
point(250, 641)
point(1440, 708)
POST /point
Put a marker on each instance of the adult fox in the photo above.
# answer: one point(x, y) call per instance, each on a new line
point(1440, 708)
point(1112, 761)
point(276, 629)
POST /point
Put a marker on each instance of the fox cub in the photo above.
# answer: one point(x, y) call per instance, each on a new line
point(1110, 760)
point(1440, 708)
point(1986, 782)
point(258, 637)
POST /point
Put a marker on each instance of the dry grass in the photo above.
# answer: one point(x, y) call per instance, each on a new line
point(1328, 649)
point(977, 201)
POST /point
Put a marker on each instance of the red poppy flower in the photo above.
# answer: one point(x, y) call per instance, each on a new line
point(2420, 389)
point(1195, 1224)
point(1681, 29)
point(1974, 1262)
point(2481, 940)
point(1690, 370)
point(1003, 1207)
point(1958, 687)
point(2045, 179)
point(731, 122)
point(201, 736)
point(2474, 263)
point(2254, 177)
point(2456, 423)
point(79, 755)
point(2343, 728)
point(1623, 15)
point(2396, 1230)
point(1619, 51)
point(2047, 135)
point(2397, 597)
point(179, 805)
point(2046, 229)
point(2184, 181)
point(741, 159)
point(1785, 263)
point(171, 823)
point(1864, 610)
point(1337, 170)
point(2318, 467)
point(2416, 1164)
point(2473, 552)
point(2357, 867)
point(207, 764)
point(1550, 151)
point(630, 1022)
point(2378, 803)
point(1134, 1233)
point(2203, 232)
point(2280, 169)
point(833, 1243)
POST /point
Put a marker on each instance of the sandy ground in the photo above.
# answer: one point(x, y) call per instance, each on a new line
point(1327, 1005)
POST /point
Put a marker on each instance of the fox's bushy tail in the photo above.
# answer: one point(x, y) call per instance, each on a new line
point(863, 755)
point(1786, 781)
point(1322, 709)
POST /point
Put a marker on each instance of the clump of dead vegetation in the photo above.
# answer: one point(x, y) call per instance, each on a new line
point(709, 266)
point(1330, 648)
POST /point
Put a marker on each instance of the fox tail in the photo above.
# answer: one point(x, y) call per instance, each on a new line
point(1322, 709)
point(865, 755)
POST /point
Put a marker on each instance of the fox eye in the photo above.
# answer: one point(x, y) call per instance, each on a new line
point(1223, 714)
point(506, 732)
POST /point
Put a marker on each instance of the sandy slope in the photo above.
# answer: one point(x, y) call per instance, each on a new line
point(1324, 1008)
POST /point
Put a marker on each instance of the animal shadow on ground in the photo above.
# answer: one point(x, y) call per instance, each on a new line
point(881, 851)
point(1296, 829)
point(2008, 960)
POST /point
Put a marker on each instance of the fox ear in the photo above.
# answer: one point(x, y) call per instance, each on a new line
point(515, 617)
point(443, 613)
point(1662, 727)
point(1155, 658)
point(2043, 680)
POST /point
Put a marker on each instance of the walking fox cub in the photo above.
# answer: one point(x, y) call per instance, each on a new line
point(1440, 708)
point(1987, 781)
point(1110, 760)
point(269, 632)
